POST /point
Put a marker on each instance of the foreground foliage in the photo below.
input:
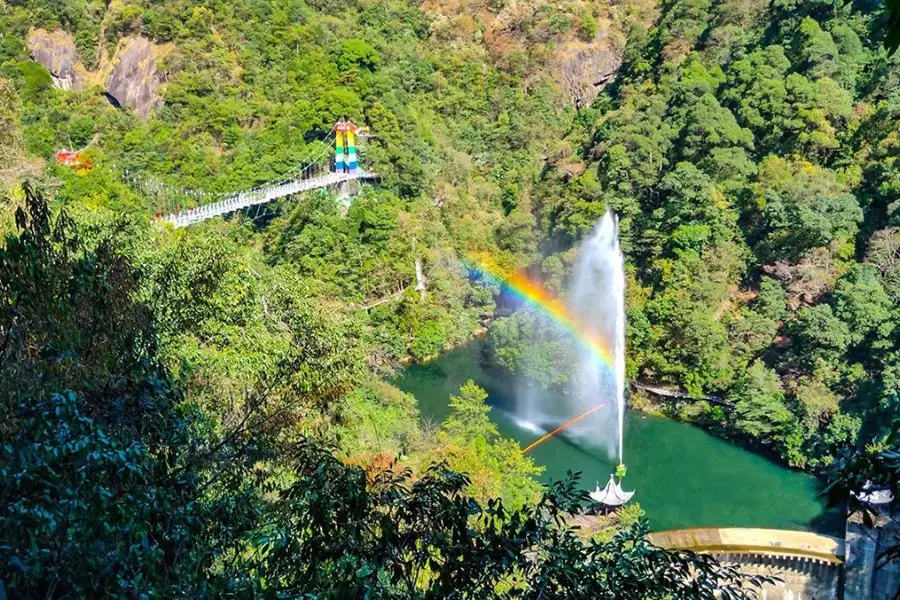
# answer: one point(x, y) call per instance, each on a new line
point(392, 540)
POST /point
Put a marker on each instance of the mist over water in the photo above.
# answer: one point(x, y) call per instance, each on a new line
point(597, 301)
point(532, 414)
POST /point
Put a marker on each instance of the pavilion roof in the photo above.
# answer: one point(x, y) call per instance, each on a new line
point(873, 494)
point(612, 494)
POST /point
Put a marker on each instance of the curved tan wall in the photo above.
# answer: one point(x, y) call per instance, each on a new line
point(772, 542)
point(808, 564)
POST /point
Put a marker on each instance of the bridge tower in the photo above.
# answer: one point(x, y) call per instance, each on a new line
point(345, 156)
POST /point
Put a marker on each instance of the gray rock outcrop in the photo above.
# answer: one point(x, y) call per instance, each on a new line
point(55, 51)
point(135, 79)
point(131, 75)
point(586, 71)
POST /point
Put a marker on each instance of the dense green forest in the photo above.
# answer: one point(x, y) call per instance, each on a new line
point(204, 412)
point(252, 88)
point(751, 151)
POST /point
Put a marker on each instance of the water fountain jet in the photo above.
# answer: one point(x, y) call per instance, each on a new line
point(597, 304)
point(595, 317)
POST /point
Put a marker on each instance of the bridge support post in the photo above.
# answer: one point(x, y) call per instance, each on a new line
point(345, 193)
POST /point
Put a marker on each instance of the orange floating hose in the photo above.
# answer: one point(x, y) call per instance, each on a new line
point(560, 428)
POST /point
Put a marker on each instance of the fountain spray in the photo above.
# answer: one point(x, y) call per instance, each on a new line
point(597, 301)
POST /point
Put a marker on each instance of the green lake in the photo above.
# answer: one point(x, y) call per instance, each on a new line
point(682, 475)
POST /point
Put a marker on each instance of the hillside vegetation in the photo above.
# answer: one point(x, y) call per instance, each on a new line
point(250, 90)
point(751, 151)
point(252, 87)
point(204, 412)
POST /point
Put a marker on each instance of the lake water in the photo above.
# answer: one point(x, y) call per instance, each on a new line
point(683, 476)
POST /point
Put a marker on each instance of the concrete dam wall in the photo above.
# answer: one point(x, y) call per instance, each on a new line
point(809, 565)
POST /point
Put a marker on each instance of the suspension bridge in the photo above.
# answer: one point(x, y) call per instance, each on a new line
point(313, 173)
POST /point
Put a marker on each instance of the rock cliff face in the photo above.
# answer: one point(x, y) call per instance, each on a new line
point(135, 78)
point(55, 50)
point(585, 69)
point(552, 35)
point(131, 76)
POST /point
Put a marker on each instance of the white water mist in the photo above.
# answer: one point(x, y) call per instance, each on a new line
point(597, 301)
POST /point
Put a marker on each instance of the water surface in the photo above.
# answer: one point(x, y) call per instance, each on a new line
point(683, 476)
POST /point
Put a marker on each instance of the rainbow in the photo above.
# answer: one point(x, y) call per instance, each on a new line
point(535, 294)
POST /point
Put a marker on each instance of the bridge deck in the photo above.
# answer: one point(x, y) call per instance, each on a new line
point(260, 196)
point(736, 540)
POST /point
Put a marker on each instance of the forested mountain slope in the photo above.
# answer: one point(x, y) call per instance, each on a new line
point(748, 147)
point(463, 103)
point(166, 395)
point(751, 150)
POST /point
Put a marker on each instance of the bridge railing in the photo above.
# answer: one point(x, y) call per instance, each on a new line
point(261, 196)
